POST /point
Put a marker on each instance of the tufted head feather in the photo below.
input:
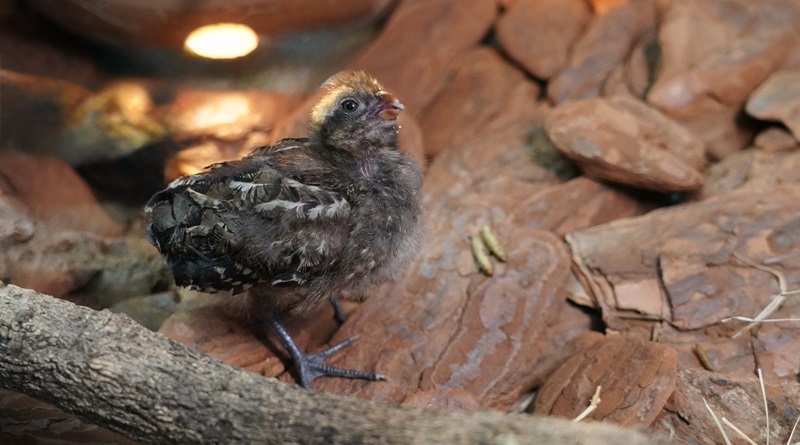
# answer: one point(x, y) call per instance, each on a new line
point(341, 83)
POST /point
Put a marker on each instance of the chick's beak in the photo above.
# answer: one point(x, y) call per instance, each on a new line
point(389, 107)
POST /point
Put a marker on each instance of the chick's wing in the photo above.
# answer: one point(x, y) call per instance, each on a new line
point(244, 223)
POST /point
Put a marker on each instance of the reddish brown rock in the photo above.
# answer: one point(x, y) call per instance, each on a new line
point(482, 335)
point(777, 350)
point(678, 265)
point(55, 195)
point(608, 39)
point(539, 34)
point(484, 95)
point(778, 98)
point(636, 377)
point(622, 140)
point(792, 61)
point(569, 331)
point(737, 399)
point(714, 53)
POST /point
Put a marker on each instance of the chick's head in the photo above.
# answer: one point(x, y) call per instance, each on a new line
point(355, 114)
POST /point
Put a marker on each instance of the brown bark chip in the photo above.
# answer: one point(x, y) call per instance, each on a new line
point(594, 203)
point(502, 321)
point(485, 94)
point(776, 139)
point(606, 42)
point(677, 265)
point(737, 399)
point(714, 54)
point(752, 167)
point(539, 34)
point(634, 76)
point(778, 98)
point(620, 139)
point(637, 378)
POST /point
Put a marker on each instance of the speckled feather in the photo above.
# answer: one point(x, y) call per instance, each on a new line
point(298, 222)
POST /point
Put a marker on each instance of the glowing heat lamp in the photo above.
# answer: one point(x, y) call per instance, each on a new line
point(222, 41)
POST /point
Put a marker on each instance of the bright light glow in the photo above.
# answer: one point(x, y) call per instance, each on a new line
point(222, 41)
point(228, 109)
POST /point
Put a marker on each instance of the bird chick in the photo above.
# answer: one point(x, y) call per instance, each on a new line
point(297, 224)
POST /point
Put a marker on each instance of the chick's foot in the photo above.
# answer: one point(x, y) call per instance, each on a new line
point(309, 367)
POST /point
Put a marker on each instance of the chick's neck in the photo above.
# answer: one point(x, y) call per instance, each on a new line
point(359, 158)
point(357, 140)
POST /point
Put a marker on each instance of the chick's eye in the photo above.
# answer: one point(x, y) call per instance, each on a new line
point(349, 105)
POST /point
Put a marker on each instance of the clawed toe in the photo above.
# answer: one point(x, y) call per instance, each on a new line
point(309, 367)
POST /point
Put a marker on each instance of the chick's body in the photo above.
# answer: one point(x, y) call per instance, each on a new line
point(297, 223)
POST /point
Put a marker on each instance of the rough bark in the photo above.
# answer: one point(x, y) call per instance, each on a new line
point(108, 369)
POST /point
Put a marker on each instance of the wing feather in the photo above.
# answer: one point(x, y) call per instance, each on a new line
point(244, 223)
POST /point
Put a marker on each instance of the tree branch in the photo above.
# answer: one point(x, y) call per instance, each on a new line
point(115, 373)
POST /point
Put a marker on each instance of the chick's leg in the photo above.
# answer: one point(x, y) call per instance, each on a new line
point(309, 367)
